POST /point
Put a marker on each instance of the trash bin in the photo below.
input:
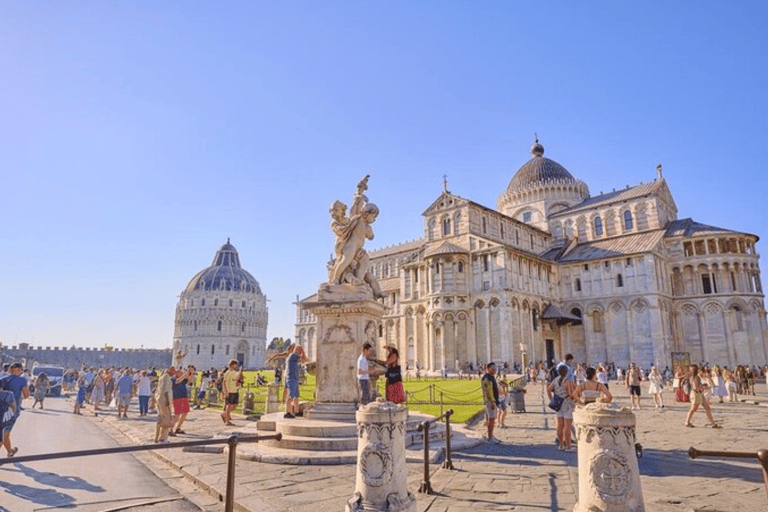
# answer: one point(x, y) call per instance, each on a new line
point(517, 400)
point(248, 403)
point(212, 396)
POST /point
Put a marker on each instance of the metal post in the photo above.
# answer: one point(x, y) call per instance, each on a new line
point(425, 486)
point(441, 403)
point(447, 463)
point(229, 504)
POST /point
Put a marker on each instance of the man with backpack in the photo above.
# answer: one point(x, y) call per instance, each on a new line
point(17, 385)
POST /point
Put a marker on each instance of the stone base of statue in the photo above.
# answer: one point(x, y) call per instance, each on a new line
point(346, 319)
point(609, 476)
point(382, 475)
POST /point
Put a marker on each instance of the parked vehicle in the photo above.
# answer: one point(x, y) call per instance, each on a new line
point(55, 376)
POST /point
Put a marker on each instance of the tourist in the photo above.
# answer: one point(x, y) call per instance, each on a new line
point(393, 388)
point(602, 375)
point(42, 386)
point(80, 400)
point(503, 391)
point(633, 379)
point(124, 388)
point(541, 375)
point(719, 388)
point(97, 394)
point(750, 381)
point(363, 374)
point(231, 383)
point(292, 362)
point(16, 384)
point(490, 398)
point(656, 387)
point(564, 388)
point(109, 386)
point(278, 372)
point(180, 398)
point(591, 390)
point(144, 391)
point(205, 381)
point(697, 387)
point(164, 400)
point(567, 363)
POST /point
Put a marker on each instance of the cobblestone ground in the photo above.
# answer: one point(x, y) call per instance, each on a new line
point(525, 472)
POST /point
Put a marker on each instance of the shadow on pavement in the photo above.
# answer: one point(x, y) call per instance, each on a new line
point(677, 463)
point(48, 497)
point(54, 480)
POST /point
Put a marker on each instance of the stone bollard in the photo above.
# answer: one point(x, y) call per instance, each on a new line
point(609, 478)
point(382, 475)
point(273, 404)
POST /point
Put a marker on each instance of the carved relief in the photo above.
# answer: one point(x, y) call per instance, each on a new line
point(612, 476)
point(376, 464)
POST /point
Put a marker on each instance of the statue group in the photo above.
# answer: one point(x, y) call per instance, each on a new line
point(349, 268)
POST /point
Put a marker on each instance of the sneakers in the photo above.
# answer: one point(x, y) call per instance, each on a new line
point(491, 439)
point(288, 415)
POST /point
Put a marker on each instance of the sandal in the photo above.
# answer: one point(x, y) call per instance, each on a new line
point(689, 425)
point(13, 452)
point(179, 431)
point(230, 424)
point(716, 426)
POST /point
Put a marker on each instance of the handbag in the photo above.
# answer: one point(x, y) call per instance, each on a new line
point(556, 402)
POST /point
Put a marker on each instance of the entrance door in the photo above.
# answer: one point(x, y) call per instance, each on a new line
point(240, 359)
point(550, 345)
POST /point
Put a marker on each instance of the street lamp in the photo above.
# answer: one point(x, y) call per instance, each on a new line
point(522, 353)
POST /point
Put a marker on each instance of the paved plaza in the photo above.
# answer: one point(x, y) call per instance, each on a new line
point(524, 473)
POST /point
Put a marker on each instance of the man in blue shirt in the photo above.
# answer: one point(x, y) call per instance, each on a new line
point(124, 390)
point(567, 363)
point(16, 384)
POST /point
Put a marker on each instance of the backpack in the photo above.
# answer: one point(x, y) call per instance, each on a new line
point(552, 374)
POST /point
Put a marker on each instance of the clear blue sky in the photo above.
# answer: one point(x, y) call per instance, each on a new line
point(138, 136)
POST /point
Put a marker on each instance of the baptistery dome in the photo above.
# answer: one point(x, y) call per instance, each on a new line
point(221, 315)
point(225, 273)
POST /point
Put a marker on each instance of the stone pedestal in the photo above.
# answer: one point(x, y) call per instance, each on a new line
point(382, 475)
point(273, 401)
point(609, 477)
point(343, 326)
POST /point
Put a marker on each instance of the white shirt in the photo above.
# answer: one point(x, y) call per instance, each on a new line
point(144, 387)
point(362, 364)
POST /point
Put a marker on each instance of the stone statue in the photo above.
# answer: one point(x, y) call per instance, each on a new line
point(350, 264)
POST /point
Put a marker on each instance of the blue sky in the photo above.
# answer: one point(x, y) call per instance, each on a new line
point(139, 136)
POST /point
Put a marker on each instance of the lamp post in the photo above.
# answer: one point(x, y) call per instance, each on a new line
point(522, 354)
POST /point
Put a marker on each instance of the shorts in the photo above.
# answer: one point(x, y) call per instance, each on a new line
point(293, 388)
point(503, 404)
point(634, 390)
point(123, 400)
point(201, 394)
point(180, 405)
point(233, 398)
point(490, 413)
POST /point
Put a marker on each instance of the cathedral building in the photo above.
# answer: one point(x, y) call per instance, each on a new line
point(221, 315)
point(616, 277)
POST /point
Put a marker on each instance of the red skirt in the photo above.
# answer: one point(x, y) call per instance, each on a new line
point(180, 405)
point(395, 393)
point(681, 396)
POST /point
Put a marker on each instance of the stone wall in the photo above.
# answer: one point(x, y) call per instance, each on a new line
point(75, 357)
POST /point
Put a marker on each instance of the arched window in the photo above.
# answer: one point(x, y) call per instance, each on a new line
point(203, 302)
point(230, 302)
point(619, 280)
point(446, 227)
point(227, 347)
point(242, 327)
point(597, 321)
point(213, 349)
point(216, 302)
point(198, 350)
point(501, 227)
point(627, 220)
point(598, 226)
point(461, 267)
point(195, 324)
point(485, 225)
point(738, 317)
point(219, 325)
point(535, 319)
point(381, 330)
point(578, 284)
point(243, 304)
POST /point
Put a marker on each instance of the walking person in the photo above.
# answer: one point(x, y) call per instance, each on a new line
point(591, 390)
point(17, 385)
point(697, 398)
point(292, 363)
point(164, 401)
point(564, 388)
point(719, 388)
point(97, 395)
point(144, 390)
point(42, 386)
point(491, 399)
point(180, 399)
point(633, 379)
point(124, 388)
point(393, 390)
point(278, 373)
point(656, 387)
point(80, 400)
point(231, 386)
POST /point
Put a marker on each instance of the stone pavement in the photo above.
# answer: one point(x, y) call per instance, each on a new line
point(524, 473)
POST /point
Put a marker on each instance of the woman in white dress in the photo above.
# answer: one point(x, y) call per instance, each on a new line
point(718, 384)
point(656, 387)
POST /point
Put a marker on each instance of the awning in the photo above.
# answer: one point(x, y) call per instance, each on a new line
point(554, 313)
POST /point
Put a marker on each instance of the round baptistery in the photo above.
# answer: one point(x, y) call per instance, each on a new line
point(221, 315)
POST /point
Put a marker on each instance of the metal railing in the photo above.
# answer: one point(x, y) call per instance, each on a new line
point(232, 441)
point(760, 455)
point(425, 486)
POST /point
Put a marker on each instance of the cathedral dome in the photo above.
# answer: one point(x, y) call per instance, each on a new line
point(538, 170)
point(225, 273)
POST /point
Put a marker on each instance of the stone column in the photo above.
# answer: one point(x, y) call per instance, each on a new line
point(609, 477)
point(273, 402)
point(382, 475)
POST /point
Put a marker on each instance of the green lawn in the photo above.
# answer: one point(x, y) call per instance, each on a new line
point(431, 395)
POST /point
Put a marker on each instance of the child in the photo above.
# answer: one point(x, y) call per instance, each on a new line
point(80, 395)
